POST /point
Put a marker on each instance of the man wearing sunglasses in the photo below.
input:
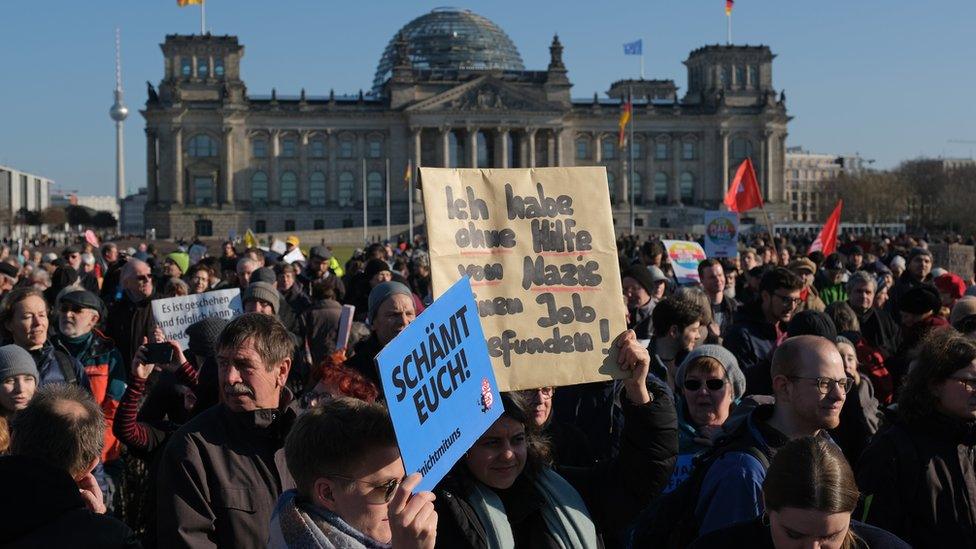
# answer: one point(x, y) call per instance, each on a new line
point(351, 488)
point(131, 317)
point(761, 325)
point(810, 387)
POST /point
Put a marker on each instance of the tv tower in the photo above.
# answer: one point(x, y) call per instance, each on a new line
point(119, 112)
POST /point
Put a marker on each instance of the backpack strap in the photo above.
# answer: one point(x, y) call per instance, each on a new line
point(67, 368)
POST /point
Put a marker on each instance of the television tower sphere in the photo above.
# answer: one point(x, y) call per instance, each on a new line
point(119, 111)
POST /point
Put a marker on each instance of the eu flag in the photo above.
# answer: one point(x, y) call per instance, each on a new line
point(634, 48)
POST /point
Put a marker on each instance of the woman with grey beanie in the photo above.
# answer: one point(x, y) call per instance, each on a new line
point(709, 385)
point(18, 381)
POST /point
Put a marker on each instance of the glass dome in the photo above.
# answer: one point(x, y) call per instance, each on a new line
point(451, 39)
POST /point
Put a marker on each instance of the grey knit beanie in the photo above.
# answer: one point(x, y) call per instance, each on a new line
point(203, 335)
point(15, 361)
point(264, 292)
point(732, 371)
point(264, 274)
point(381, 293)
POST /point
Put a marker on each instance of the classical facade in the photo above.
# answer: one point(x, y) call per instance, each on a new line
point(450, 90)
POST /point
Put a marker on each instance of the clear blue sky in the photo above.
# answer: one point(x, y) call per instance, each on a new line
point(891, 80)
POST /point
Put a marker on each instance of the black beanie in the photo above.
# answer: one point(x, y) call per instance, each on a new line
point(203, 335)
point(641, 275)
point(920, 300)
point(810, 322)
point(374, 266)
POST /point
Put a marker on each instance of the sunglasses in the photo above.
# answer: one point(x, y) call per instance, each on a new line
point(143, 278)
point(711, 384)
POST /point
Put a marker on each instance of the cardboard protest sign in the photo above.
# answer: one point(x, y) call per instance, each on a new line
point(345, 326)
point(721, 234)
point(175, 314)
point(955, 258)
point(294, 255)
point(540, 249)
point(439, 385)
point(685, 257)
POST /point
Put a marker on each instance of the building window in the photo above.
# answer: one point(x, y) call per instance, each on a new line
point(203, 191)
point(318, 224)
point(740, 77)
point(375, 148)
point(688, 150)
point(636, 148)
point(660, 188)
point(582, 149)
point(260, 226)
point(219, 67)
point(259, 148)
point(202, 146)
point(611, 183)
point(203, 227)
point(726, 77)
point(347, 188)
point(661, 150)
point(754, 76)
point(638, 189)
point(741, 149)
point(318, 148)
point(485, 150)
point(687, 187)
point(345, 148)
point(316, 189)
point(374, 190)
point(186, 67)
point(454, 150)
point(289, 147)
point(203, 70)
point(608, 148)
point(24, 196)
point(289, 189)
point(259, 188)
point(289, 224)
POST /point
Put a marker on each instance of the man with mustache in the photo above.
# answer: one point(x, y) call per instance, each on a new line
point(77, 335)
point(222, 472)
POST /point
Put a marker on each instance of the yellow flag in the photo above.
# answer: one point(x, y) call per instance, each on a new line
point(182, 3)
point(249, 239)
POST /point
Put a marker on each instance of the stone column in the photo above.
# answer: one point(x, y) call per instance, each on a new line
point(152, 165)
point(177, 193)
point(649, 171)
point(332, 188)
point(472, 147)
point(445, 137)
point(551, 148)
point(726, 180)
point(228, 175)
point(767, 177)
point(273, 189)
point(502, 148)
point(303, 167)
point(560, 161)
point(674, 195)
point(531, 146)
point(597, 148)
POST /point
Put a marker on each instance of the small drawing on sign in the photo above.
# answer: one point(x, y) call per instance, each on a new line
point(486, 398)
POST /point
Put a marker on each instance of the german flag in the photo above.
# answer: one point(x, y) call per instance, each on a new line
point(182, 3)
point(624, 120)
point(728, 7)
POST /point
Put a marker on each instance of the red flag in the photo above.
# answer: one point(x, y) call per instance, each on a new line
point(744, 193)
point(826, 241)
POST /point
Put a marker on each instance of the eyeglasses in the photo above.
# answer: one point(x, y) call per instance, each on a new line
point(969, 383)
point(379, 493)
point(143, 278)
point(825, 384)
point(711, 384)
point(788, 300)
point(543, 393)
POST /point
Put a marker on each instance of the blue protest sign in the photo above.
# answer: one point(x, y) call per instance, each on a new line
point(439, 385)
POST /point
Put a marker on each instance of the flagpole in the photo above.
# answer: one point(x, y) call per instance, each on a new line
point(410, 200)
point(387, 199)
point(365, 219)
point(203, 17)
point(729, 37)
point(630, 152)
point(642, 63)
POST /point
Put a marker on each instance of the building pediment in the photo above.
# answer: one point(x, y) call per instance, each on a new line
point(483, 95)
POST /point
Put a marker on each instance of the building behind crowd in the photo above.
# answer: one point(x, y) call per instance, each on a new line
point(132, 214)
point(450, 90)
point(21, 191)
point(806, 180)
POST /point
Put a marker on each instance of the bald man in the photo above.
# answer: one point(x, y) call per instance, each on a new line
point(810, 386)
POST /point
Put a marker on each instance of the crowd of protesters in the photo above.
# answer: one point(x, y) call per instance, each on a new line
point(787, 400)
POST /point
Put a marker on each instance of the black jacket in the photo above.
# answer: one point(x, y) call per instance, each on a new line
point(880, 330)
point(41, 507)
point(319, 325)
point(614, 491)
point(755, 535)
point(128, 323)
point(220, 477)
point(364, 360)
point(918, 482)
point(859, 420)
point(752, 340)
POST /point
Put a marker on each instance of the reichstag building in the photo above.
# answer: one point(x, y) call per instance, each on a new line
point(450, 90)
